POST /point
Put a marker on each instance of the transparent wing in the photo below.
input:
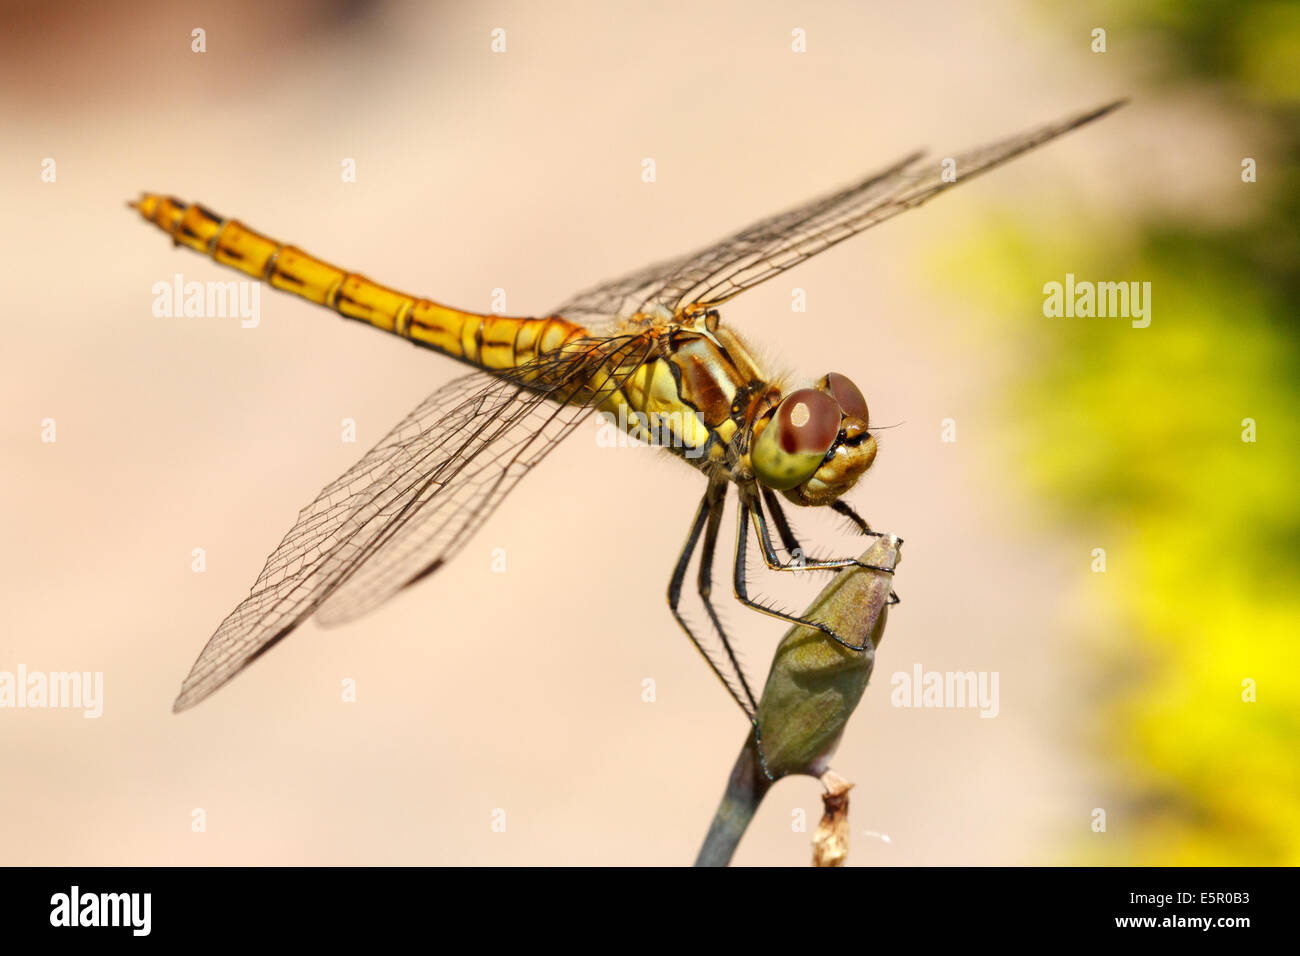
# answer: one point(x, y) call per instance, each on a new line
point(641, 292)
point(413, 500)
point(713, 275)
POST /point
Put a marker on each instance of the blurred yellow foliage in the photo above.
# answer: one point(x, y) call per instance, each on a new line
point(1136, 435)
point(1135, 440)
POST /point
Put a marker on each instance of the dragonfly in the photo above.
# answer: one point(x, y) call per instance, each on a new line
point(648, 350)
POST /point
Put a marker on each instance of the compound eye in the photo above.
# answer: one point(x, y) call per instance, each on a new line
point(848, 395)
point(807, 422)
point(791, 448)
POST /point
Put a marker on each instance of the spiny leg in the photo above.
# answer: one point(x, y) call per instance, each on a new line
point(786, 532)
point(708, 505)
point(705, 585)
point(840, 506)
point(779, 519)
point(774, 562)
point(741, 585)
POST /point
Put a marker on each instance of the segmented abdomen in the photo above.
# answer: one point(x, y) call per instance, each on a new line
point(491, 342)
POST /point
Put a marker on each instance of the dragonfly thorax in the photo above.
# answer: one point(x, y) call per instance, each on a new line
point(695, 397)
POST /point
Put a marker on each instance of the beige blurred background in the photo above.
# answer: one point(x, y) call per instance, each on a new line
point(520, 691)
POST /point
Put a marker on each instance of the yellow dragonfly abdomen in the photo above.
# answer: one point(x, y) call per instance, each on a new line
point(492, 342)
point(648, 404)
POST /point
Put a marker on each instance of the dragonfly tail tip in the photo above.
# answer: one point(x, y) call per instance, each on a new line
point(145, 205)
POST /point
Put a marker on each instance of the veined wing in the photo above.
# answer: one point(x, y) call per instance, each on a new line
point(413, 500)
point(641, 291)
point(711, 276)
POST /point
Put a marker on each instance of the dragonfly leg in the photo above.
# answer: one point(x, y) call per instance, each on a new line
point(840, 506)
point(779, 519)
point(704, 584)
point(710, 504)
point(741, 584)
point(786, 533)
point(774, 562)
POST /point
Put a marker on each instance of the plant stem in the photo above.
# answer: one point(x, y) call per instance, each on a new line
point(745, 791)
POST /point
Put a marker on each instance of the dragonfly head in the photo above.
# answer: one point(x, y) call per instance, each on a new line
point(814, 445)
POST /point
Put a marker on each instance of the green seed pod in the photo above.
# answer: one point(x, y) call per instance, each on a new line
point(814, 685)
point(815, 682)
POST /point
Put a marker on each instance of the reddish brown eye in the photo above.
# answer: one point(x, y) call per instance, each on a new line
point(848, 395)
point(807, 421)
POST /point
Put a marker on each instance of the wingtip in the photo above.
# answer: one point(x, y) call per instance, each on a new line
point(1087, 116)
point(1109, 107)
point(185, 700)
